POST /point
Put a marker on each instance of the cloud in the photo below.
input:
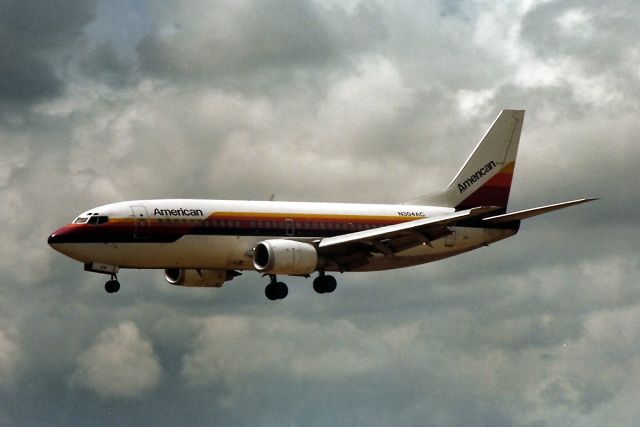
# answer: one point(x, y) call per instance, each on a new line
point(104, 63)
point(121, 363)
point(254, 44)
point(37, 40)
point(10, 356)
point(232, 349)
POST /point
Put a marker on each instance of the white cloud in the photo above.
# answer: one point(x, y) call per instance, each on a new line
point(471, 103)
point(121, 363)
point(233, 349)
point(575, 22)
point(373, 95)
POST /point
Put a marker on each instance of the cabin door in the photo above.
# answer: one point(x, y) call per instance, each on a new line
point(142, 225)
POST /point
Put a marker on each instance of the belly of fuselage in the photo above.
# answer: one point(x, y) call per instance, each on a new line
point(215, 252)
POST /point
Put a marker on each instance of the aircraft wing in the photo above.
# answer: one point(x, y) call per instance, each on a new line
point(394, 238)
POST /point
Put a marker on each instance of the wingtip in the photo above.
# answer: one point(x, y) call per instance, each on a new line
point(588, 199)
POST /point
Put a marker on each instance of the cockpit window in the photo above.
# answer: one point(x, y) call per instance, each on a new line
point(81, 220)
point(97, 220)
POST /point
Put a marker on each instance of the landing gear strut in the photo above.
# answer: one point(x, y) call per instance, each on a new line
point(112, 285)
point(276, 290)
point(324, 284)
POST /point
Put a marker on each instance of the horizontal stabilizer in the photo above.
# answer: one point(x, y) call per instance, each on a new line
point(528, 213)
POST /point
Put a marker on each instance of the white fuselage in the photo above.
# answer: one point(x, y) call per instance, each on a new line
point(216, 234)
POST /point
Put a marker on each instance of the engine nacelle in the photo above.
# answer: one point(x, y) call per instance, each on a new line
point(279, 256)
point(200, 278)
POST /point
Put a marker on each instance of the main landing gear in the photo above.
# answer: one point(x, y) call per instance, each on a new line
point(276, 290)
point(112, 285)
point(322, 284)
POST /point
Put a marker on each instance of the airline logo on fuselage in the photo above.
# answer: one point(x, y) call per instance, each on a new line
point(468, 183)
point(178, 212)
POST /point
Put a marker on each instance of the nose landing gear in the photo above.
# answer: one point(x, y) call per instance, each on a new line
point(112, 284)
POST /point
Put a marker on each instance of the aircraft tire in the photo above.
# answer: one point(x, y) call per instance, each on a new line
point(318, 284)
point(324, 284)
point(276, 291)
point(112, 286)
point(270, 292)
point(330, 284)
point(282, 290)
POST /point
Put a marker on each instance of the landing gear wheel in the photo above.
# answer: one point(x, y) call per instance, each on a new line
point(276, 290)
point(270, 292)
point(112, 286)
point(282, 290)
point(318, 284)
point(324, 284)
point(330, 284)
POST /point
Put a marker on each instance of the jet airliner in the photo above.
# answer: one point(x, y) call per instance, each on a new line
point(206, 243)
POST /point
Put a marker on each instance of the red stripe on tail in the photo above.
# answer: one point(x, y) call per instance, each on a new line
point(494, 192)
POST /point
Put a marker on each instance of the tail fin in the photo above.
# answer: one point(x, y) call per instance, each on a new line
point(485, 178)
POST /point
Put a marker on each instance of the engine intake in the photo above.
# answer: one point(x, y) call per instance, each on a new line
point(199, 278)
point(280, 256)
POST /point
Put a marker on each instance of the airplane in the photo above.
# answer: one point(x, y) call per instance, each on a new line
point(206, 243)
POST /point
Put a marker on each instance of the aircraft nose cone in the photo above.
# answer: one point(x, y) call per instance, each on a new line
point(53, 239)
point(61, 235)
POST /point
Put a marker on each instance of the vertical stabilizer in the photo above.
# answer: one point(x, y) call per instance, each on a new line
point(485, 178)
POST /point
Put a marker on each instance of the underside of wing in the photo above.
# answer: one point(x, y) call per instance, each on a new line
point(353, 249)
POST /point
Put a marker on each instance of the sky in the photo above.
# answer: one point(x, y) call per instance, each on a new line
point(341, 101)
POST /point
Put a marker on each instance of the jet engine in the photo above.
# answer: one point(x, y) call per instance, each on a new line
point(279, 256)
point(199, 278)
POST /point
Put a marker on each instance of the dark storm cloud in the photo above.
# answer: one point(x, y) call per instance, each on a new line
point(37, 40)
point(104, 63)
